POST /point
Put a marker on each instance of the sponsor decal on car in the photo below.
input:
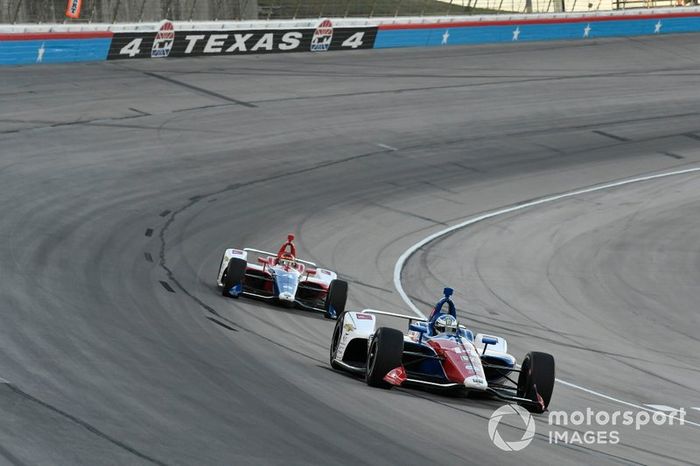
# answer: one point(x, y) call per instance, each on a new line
point(364, 316)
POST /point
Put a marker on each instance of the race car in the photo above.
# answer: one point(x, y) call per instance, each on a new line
point(282, 278)
point(439, 354)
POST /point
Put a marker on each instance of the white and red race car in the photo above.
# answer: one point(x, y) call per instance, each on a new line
point(282, 278)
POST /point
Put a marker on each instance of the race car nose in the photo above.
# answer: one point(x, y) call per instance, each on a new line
point(284, 296)
point(475, 382)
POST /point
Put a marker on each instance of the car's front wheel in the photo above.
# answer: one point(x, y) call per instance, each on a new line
point(384, 354)
point(233, 275)
point(336, 298)
point(536, 381)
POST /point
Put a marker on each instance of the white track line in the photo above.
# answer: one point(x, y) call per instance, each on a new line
point(662, 408)
point(384, 146)
point(626, 403)
point(401, 262)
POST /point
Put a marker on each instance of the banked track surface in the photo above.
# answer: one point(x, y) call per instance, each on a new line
point(123, 182)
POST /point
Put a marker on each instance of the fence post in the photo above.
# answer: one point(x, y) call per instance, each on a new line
point(192, 7)
point(53, 12)
point(141, 10)
point(449, 7)
point(14, 19)
point(115, 12)
point(93, 12)
point(166, 10)
point(398, 6)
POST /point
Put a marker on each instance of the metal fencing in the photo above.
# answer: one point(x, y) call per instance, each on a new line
point(123, 11)
point(111, 11)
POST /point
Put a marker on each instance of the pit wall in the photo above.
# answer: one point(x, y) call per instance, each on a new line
point(38, 44)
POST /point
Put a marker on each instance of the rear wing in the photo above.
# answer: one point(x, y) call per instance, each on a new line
point(274, 254)
point(410, 319)
point(392, 314)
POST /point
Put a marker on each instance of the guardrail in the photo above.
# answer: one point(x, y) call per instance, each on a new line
point(30, 44)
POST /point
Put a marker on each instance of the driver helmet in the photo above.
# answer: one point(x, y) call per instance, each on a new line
point(286, 259)
point(446, 324)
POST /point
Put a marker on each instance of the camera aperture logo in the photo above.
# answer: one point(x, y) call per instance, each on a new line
point(511, 410)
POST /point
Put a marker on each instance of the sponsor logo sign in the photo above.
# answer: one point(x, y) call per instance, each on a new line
point(323, 36)
point(167, 42)
point(164, 40)
point(73, 8)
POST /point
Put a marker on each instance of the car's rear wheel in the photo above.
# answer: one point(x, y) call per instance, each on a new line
point(384, 354)
point(336, 298)
point(536, 381)
point(233, 275)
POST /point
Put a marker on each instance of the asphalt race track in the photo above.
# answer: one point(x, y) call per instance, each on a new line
point(121, 184)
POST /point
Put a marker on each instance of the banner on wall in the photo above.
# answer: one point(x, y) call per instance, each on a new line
point(73, 8)
point(168, 42)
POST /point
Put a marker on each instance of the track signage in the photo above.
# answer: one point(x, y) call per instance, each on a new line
point(169, 42)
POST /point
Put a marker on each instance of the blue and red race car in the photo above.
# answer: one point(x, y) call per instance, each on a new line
point(439, 353)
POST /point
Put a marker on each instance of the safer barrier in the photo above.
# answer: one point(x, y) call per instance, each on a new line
point(560, 28)
point(67, 43)
point(54, 47)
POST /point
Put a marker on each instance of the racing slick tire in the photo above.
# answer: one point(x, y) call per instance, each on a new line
point(336, 298)
point(335, 341)
point(384, 354)
point(536, 381)
point(221, 262)
point(233, 275)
